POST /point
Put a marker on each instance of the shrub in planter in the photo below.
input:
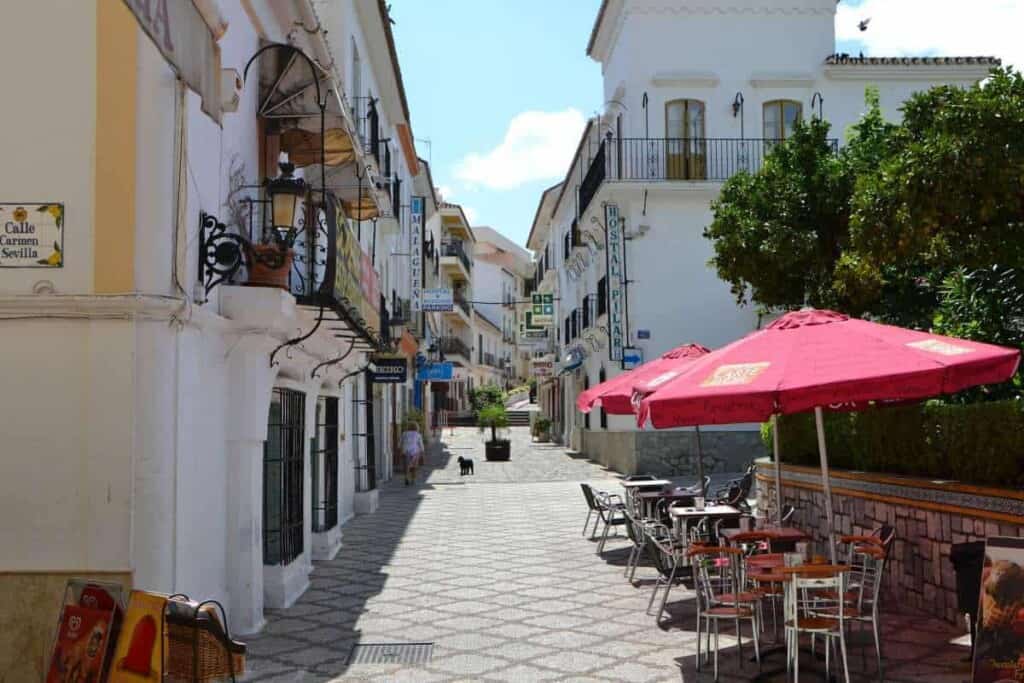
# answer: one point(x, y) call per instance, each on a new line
point(542, 429)
point(495, 418)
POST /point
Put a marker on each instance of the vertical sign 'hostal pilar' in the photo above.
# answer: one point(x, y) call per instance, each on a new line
point(416, 253)
point(615, 253)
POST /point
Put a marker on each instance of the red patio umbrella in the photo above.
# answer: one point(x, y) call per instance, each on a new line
point(813, 359)
point(616, 394)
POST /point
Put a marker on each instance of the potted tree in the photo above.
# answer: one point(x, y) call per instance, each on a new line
point(270, 261)
point(542, 429)
point(493, 416)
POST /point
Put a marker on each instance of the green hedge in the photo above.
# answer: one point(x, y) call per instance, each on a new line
point(979, 443)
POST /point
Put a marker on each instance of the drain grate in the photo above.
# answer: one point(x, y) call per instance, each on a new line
point(391, 653)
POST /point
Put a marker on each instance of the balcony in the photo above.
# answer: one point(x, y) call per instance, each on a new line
point(454, 346)
point(491, 360)
point(456, 249)
point(459, 297)
point(673, 160)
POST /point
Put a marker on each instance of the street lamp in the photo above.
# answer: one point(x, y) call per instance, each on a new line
point(286, 194)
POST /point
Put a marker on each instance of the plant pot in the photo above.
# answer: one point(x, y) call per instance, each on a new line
point(262, 259)
point(498, 450)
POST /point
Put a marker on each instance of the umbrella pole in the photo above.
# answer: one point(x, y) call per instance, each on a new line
point(819, 422)
point(700, 465)
point(778, 468)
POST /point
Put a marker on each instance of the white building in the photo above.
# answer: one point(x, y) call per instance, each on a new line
point(677, 123)
point(501, 271)
point(168, 427)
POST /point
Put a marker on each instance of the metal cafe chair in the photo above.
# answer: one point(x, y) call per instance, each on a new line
point(864, 588)
point(814, 606)
point(612, 511)
point(718, 577)
point(666, 556)
point(637, 534)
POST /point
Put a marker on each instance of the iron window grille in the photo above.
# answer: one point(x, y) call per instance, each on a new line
point(283, 456)
point(602, 296)
point(325, 464)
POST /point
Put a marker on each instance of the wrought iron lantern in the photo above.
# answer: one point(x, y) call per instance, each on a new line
point(286, 194)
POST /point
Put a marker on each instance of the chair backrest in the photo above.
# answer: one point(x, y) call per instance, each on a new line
point(787, 513)
point(817, 593)
point(659, 544)
point(871, 565)
point(700, 533)
point(588, 493)
point(634, 527)
point(717, 570)
point(885, 533)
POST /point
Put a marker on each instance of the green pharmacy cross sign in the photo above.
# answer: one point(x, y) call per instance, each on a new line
point(542, 310)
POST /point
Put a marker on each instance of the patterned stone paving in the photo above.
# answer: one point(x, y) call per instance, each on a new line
point(493, 570)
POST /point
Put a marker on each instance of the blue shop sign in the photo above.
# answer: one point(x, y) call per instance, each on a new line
point(435, 372)
point(632, 357)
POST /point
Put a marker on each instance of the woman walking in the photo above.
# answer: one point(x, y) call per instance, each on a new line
point(412, 449)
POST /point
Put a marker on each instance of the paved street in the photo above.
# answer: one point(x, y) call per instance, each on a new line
point(493, 571)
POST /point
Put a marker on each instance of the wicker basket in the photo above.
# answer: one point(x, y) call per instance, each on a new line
point(199, 648)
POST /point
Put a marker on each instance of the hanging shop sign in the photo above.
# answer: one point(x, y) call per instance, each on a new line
point(416, 205)
point(632, 357)
point(643, 334)
point(542, 310)
point(532, 336)
point(185, 40)
point(542, 368)
point(438, 299)
point(435, 372)
point(389, 369)
point(616, 256)
point(355, 280)
point(32, 235)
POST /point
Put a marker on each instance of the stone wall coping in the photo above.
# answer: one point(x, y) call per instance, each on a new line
point(900, 480)
point(1004, 505)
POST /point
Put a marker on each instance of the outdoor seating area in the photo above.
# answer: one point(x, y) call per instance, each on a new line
point(764, 600)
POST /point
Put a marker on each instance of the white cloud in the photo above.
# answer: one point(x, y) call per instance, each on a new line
point(538, 145)
point(446, 193)
point(936, 27)
point(471, 214)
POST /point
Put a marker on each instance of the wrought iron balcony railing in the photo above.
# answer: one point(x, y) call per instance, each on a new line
point(673, 159)
point(459, 297)
point(454, 346)
point(491, 359)
point(457, 249)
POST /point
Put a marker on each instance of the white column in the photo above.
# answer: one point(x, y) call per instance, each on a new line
point(251, 380)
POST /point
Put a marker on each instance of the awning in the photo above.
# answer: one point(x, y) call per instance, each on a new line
point(303, 147)
point(361, 210)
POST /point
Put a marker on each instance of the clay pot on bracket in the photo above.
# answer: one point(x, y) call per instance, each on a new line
point(262, 259)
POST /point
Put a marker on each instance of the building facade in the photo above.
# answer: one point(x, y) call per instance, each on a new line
point(620, 240)
point(177, 428)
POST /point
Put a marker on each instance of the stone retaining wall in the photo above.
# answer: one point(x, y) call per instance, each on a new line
point(671, 453)
point(928, 516)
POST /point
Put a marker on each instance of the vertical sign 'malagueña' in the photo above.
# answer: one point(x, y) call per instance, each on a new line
point(416, 252)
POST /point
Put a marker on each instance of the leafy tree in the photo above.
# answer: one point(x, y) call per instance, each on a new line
point(984, 305)
point(778, 233)
point(949, 193)
point(494, 417)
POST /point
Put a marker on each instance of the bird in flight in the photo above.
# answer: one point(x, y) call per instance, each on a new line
point(863, 24)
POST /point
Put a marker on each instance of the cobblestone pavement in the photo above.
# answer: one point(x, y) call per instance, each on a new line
point(493, 570)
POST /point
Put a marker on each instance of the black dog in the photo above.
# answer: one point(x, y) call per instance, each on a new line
point(465, 466)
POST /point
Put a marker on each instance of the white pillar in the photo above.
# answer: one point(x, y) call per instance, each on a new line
point(251, 380)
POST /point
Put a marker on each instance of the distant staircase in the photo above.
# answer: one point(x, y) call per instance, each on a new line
point(518, 418)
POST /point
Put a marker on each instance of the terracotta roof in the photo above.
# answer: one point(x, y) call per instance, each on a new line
point(858, 60)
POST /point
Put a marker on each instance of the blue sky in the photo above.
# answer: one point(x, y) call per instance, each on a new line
point(501, 88)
